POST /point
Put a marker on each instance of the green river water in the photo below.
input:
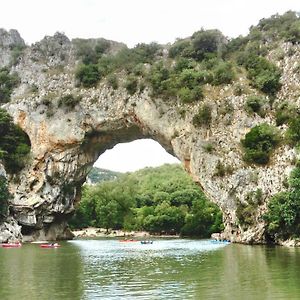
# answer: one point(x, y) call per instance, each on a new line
point(167, 269)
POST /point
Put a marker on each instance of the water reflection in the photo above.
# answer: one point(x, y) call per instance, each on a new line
point(30, 272)
point(186, 270)
point(177, 269)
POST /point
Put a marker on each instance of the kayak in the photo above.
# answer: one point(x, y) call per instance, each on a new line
point(146, 242)
point(127, 241)
point(220, 242)
point(11, 245)
point(49, 245)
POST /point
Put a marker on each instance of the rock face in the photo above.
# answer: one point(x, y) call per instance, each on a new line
point(66, 142)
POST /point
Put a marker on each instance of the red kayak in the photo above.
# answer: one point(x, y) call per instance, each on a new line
point(128, 241)
point(50, 245)
point(11, 245)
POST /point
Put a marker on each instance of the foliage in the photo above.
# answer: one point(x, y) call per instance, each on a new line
point(87, 75)
point(277, 27)
point(203, 117)
point(162, 199)
point(246, 211)
point(259, 143)
point(264, 75)
point(16, 52)
point(283, 216)
point(7, 83)
point(112, 80)
point(69, 101)
point(255, 104)
point(4, 196)
point(90, 51)
point(97, 175)
point(293, 132)
point(131, 84)
point(206, 42)
point(223, 73)
point(14, 144)
point(285, 113)
point(180, 48)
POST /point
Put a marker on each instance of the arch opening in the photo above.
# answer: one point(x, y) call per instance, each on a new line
point(155, 195)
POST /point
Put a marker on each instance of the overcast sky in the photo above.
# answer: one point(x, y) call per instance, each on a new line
point(132, 22)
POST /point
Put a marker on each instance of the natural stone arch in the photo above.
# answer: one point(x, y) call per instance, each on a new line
point(61, 137)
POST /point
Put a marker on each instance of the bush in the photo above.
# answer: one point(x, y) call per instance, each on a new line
point(88, 75)
point(264, 75)
point(112, 81)
point(4, 196)
point(90, 51)
point(259, 143)
point(7, 83)
point(131, 84)
point(284, 113)
point(14, 144)
point(206, 42)
point(283, 216)
point(293, 132)
point(187, 95)
point(179, 48)
point(69, 101)
point(223, 73)
point(255, 104)
point(203, 117)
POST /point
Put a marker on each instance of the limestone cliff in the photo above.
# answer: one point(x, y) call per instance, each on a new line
point(65, 142)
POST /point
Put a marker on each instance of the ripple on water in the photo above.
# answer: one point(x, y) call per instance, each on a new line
point(117, 270)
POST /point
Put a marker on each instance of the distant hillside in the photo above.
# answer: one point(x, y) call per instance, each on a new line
point(97, 175)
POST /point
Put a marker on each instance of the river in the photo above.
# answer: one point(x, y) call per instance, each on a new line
point(167, 269)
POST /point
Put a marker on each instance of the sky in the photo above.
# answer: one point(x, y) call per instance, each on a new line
point(129, 157)
point(133, 22)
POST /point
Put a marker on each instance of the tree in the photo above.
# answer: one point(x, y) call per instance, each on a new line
point(4, 196)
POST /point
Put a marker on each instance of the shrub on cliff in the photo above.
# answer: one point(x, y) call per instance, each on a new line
point(131, 84)
point(255, 104)
point(285, 113)
point(14, 144)
point(264, 75)
point(203, 117)
point(4, 196)
point(293, 132)
point(259, 143)
point(283, 216)
point(206, 42)
point(7, 83)
point(87, 75)
point(69, 101)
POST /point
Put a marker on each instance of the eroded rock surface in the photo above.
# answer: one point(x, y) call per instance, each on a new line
point(66, 142)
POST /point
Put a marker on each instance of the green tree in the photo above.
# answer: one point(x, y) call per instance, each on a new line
point(4, 196)
point(259, 143)
point(14, 144)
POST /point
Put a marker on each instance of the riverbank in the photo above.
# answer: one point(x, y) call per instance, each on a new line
point(92, 232)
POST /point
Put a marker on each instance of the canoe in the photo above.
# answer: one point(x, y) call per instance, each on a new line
point(11, 245)
point(128, 241)
point(146, 242)
point(49, 245)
